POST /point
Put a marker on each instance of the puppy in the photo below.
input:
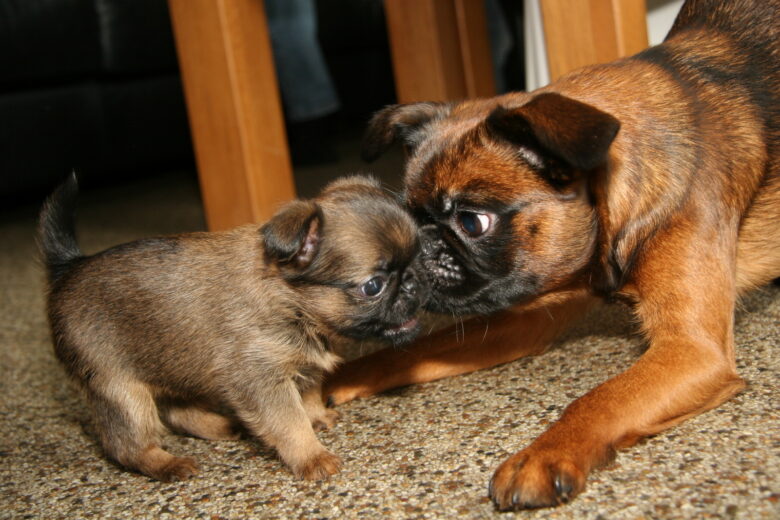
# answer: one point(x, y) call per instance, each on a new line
point(178, 328)
point(653, 180)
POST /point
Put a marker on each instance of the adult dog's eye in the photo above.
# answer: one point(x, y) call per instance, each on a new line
point(373, 287)
point(474, 224)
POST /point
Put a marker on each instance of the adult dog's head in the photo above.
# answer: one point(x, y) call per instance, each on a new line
point(502, 189)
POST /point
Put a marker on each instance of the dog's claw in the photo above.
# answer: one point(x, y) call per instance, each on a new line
point(563, 487)
point(535, 478)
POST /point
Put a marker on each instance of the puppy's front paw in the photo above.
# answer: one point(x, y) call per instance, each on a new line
point(536, 478)
point(320, 466)
point(324, 419)
point(321, 418)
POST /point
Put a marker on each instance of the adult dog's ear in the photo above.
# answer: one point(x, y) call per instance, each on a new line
point(576, 133)
point(396, 122)
point(292, 237)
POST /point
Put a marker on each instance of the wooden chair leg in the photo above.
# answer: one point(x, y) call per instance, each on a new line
point(440, 50)
point(234, 109)
point(583, 32)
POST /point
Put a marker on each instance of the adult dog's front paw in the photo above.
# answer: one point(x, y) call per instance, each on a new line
point(535, 478)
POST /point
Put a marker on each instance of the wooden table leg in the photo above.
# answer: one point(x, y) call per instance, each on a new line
point(234, 109)
point(440, 49)
point(583, 32)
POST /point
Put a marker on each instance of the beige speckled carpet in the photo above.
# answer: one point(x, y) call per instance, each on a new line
point(420, 452)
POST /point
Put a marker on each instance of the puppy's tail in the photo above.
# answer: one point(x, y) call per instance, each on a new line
point(56, 229)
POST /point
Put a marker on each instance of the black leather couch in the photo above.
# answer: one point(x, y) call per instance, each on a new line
point(94, 85)
point(87, 84)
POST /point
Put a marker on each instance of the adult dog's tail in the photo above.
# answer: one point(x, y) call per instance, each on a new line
point(56, 230)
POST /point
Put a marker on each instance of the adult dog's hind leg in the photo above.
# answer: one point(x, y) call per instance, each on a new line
point(758, 249)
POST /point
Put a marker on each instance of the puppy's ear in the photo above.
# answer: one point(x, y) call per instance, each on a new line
point(292, 236)
point(574, 132)
point(399, 122)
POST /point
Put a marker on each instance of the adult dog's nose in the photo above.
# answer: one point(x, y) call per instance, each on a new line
point(409, 283)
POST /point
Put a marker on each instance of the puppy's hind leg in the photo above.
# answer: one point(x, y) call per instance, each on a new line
point(199, 422)
point(129, 427)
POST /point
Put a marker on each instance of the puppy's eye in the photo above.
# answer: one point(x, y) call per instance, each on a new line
point(373, 287)
point(474, 224)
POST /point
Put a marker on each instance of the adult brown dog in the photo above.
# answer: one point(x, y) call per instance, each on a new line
point(653, 179)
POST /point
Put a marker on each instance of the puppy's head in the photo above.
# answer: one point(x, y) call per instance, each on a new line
point(502, 190)
point(353, 253)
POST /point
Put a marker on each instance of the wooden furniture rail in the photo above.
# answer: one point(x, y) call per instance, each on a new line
point(440, 51)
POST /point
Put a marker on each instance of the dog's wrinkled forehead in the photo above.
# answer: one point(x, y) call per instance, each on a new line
point(440, 135)
point(455, 154)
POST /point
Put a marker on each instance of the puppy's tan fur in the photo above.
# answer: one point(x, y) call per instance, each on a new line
point(172, 330)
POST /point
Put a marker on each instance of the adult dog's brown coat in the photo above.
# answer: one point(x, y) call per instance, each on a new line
point(653, 180)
